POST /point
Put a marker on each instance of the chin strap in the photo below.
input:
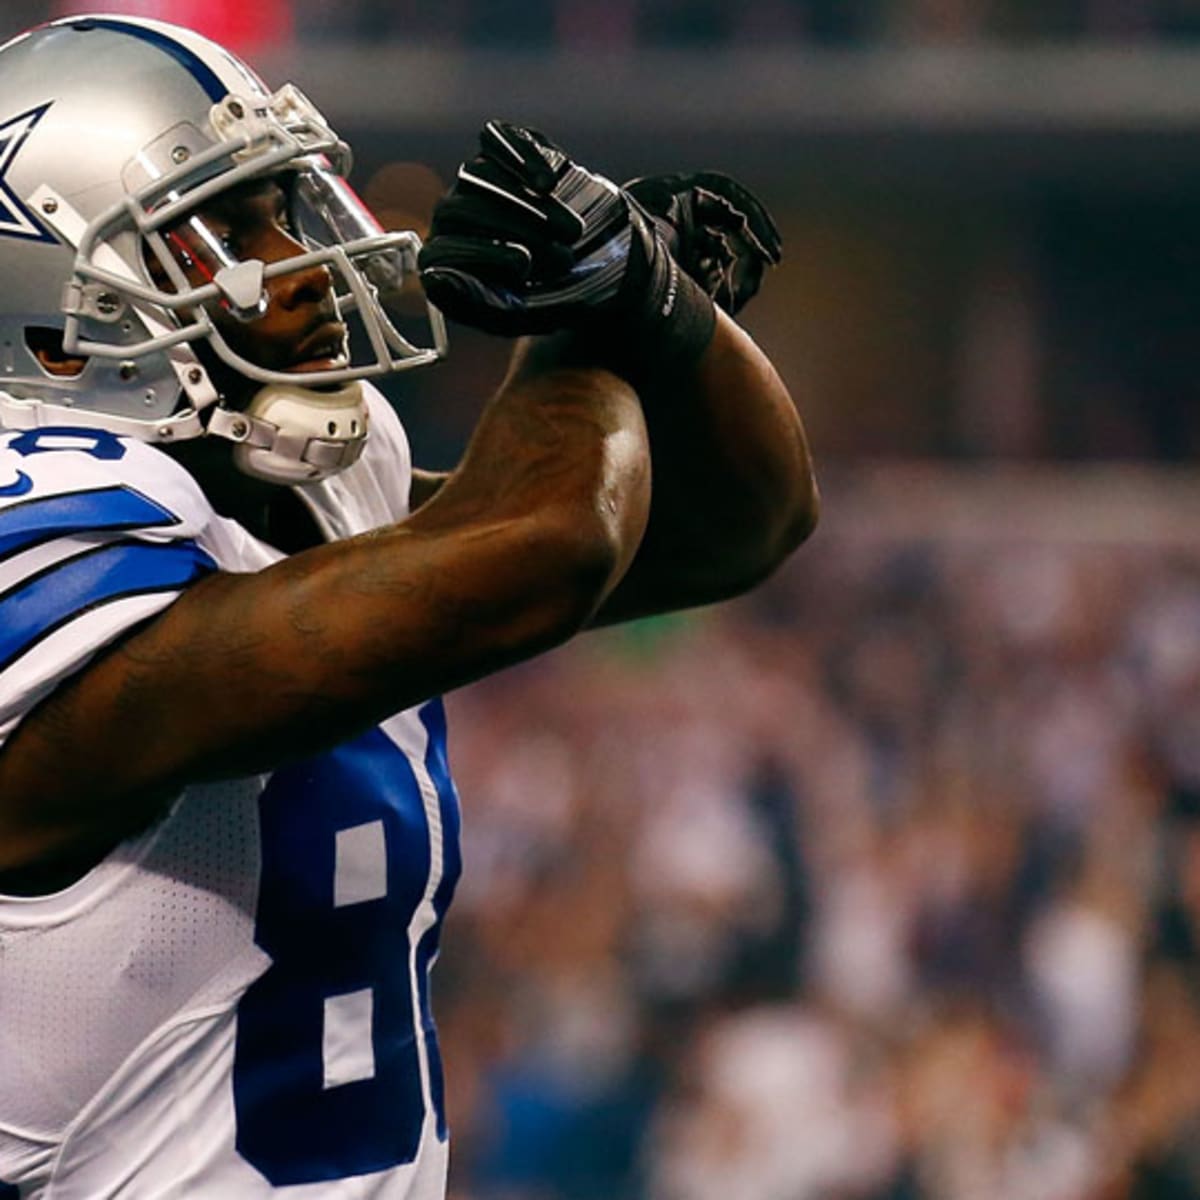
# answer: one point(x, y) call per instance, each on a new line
point(295, 434)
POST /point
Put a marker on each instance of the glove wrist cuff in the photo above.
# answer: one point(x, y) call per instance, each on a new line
point(682, 325)
point(671, 328)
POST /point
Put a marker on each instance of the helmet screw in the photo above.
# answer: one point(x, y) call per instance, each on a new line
point(50, 205)
point(239, 428)
point(236, 109)
point(166, 433)
point(108, 302)
point(180, 154)
point(195, 375)
point(128, 371)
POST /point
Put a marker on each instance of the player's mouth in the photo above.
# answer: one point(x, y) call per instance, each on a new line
point(322, 350)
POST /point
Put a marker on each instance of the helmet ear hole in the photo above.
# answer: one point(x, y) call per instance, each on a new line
point(46, 345)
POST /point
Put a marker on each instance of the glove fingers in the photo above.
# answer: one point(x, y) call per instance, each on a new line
point(478, 234)
point(529, 171)
point(719, 223)
point(498, 187)
point(764, 233)
point(710, 198)
point(498, 263)
point(528, 154)
point(463, 297)
point(729, 277)
point(466, 299)
point(657, 192)
point(470, 215)
point(527, 242)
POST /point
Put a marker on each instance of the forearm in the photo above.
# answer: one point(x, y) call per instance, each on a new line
point(733, 489)
point(515, 552)
point(567, 444)
point(527, 241)
point(245, 670)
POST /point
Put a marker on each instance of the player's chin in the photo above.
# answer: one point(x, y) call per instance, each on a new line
point(312, 366)
point(316, 366)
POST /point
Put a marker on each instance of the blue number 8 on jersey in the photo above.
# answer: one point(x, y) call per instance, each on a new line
point(337, 1069)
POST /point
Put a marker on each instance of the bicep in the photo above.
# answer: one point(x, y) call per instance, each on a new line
point(508, 556)
point(245, 671)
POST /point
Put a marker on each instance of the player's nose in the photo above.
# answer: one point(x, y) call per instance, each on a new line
point(312, 284)
point(308, 285)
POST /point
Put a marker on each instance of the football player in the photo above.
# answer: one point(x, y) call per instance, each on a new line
point(229, 604)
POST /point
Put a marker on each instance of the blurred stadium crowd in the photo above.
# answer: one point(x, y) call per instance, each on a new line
point(617, 23)
point(881, 884)
point(709, 22)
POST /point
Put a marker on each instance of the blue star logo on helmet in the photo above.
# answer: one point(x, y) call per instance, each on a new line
point(15, 218)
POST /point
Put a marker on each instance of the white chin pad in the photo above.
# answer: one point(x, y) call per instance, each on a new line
point(296, 434)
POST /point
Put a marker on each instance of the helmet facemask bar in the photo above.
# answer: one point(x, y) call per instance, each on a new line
point(368, 270)
point(351, 266)
point(326, 212)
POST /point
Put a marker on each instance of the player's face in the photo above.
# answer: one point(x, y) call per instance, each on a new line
point(300, 329)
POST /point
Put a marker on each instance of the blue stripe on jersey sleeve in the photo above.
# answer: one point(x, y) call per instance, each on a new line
point(29, 522)
point(42, 604)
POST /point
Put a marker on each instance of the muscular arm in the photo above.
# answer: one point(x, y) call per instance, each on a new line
point(630, 277)
point(515, 553)
point(733, 487)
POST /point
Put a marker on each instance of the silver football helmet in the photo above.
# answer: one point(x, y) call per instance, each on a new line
point(114, 133)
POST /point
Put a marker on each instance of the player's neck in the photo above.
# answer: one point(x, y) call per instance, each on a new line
point(269, 511)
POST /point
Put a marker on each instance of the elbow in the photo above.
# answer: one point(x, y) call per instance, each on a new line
point(596, 551)
point(800, 521)
point(778, 536)
point(778, 517)
point(795, 525)
point(583, 557)
point(795, 522)
point(585, 573)
point(596, 538)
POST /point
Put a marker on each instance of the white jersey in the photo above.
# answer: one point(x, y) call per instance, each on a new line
point(235, 1003)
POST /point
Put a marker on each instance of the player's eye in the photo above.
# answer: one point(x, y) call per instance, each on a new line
point(283, 210)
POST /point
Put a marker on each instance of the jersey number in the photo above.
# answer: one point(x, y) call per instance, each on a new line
point(99, 443)
point(327, 1078)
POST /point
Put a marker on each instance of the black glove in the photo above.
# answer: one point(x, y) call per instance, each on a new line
point(526, 241)
point(716, 230)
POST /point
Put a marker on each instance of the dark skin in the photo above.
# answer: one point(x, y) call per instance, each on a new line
point(550, 524)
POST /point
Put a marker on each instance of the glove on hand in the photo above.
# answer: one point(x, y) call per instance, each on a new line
point(716, 230)
point(526, 241)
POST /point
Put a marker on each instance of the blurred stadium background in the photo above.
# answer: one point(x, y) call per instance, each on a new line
point(882, 883)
